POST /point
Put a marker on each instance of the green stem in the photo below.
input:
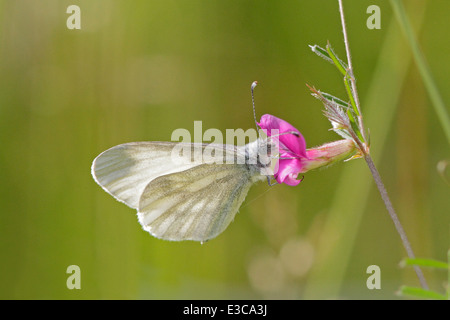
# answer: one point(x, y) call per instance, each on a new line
point(346, 210)
point(448, 280)
point(375, 174)
point(435, 97)
point(394, 217)
point(350, 74)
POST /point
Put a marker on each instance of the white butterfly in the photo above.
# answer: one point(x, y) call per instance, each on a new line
point(183, 197)
point(186, 191)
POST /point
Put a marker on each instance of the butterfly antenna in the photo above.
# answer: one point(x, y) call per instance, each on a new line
point(254, 84)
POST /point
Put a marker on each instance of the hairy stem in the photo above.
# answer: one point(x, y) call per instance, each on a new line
point(350, 71)
point(373, 169)
point(394, 217)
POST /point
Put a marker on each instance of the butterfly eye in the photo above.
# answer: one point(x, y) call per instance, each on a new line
point(272, 148)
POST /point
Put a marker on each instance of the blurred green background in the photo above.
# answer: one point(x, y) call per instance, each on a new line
point(138, 70)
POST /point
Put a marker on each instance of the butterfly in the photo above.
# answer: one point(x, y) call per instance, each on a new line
point(181, 198)
point(187, 191)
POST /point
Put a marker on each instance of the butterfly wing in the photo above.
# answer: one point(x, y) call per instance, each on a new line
point(195, 204)
point(125, 170)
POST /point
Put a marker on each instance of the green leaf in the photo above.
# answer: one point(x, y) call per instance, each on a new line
point(420, 293)
point(321, 52)
point(343, 133)
point(342, 67)
point(350, 94)
point(424, 263)
point(354, 124)
point(430, 84)
point(338, 101)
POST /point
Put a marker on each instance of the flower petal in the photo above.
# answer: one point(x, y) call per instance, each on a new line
point(293, 143)
point(288, 171)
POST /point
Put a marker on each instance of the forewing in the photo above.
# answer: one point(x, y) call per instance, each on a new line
point(125, 170)
point(195, 204)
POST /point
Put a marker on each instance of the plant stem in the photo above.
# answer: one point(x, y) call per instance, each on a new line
point(394, 217)
point(427, 78)
point(448, 279)
point(350, 70)
point(371, 165)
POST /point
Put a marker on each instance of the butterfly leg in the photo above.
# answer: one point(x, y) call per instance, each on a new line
point(270, 182)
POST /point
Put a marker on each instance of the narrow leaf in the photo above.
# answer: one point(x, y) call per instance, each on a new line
point(350, 94)
point(424, 263)
point(354, 124)
point(343, 133)
point(420, 293)
point(342, 67)
point(338, 101)
point(321, 52)
point(448, 280)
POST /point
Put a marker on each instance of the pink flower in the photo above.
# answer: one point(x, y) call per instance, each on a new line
point(294, 158)
point(292, 148)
